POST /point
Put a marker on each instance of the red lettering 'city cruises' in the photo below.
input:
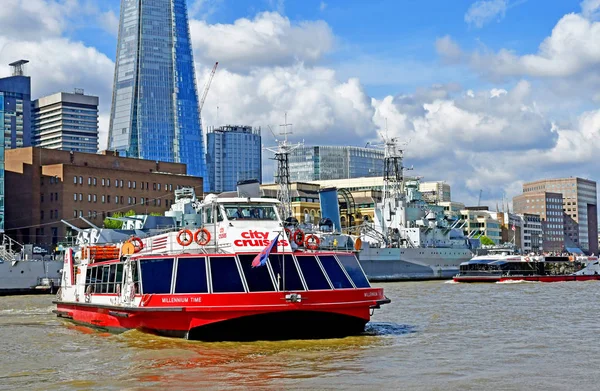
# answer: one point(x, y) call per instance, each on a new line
point(198, 281)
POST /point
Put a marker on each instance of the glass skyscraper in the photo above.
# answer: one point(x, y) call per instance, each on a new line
point(155, 113)
point(15, 119)
point(233, 153)
point(334, 162)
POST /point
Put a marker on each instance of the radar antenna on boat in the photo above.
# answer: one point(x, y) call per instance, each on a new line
point(282, 177)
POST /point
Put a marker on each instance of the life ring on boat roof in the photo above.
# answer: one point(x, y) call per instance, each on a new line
point(185, 237)
point(137, 244)
point(202, 237)
point(312, 242)
point(298, 237)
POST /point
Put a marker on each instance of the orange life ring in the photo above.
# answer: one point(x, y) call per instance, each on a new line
point(202, 237)
point(526, 259)
point(298, 237)
point(185, 237)
point(137, 244)
point(288, 233)
point(312, 242)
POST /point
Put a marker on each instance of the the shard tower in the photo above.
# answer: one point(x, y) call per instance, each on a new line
point(154, 113)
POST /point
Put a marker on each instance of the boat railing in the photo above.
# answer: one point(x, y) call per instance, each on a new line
point(9, 249)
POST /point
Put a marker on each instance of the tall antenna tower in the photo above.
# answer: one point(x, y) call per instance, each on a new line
point(282, 177)
point(393, 168)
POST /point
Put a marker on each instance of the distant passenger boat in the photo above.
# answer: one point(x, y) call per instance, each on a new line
point(506, 267)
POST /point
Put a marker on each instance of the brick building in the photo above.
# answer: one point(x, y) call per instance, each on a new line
point(44, 186)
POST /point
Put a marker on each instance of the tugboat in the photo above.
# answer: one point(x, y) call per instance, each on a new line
point(504, 266)
point(227, 271)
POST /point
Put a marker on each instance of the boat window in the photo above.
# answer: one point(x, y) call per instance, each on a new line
point(191, 276)
point(313, 275)
point(119, 278)
point(257, 278)
point(110, 287)
point(249, 211)
point(290, 280)
point(350, 263)
point(96, 279)
point(105, 273)
point(225, 275)
point(338, 278)
point(209, 215)
point(156, 275)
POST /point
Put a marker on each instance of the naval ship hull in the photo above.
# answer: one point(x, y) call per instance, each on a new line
point(29, 277)
point(412, 264)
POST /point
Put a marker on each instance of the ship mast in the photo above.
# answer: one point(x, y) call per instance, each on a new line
point(282, 177)
point(393, 170)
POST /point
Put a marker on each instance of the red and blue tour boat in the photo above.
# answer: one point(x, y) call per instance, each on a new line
point(228, 272)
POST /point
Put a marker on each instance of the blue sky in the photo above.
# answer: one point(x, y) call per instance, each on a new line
point(490, 93)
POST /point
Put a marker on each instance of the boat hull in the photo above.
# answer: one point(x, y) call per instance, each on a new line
point(29, 277)
point(406, 264)
point(534, 278)
point(233, 317)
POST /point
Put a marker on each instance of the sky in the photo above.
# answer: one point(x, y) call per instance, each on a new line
point(487, 94)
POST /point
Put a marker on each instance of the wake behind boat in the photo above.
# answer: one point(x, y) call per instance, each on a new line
point(227, 273)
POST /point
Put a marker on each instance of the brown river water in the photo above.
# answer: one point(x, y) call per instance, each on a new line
point(433, 336)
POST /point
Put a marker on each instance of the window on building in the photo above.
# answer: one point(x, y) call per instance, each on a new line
point(41, 215)
point(142, 185)
point(89, 181)
point(41, 197)
point(142, 199)
point(75, 213)
point(95, 199)
point(95, 181)
point(81, 180)
point(116, 183)
point(56, 213)
point(134, 184)
point(154, 186)
point(75, 197)
point(129, 184)
point(129, 200)
point(56, 196)
point(89, 198)
point(80, 213)
point(122, 200)
point(158, 186)
point(75, 180)
point(80, 197)
point(107, 182)
point(108, 199)
point(116, 199)
point(103, 182)
point(121, 183)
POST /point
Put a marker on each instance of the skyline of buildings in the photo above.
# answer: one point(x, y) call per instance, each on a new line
point(233, 154)
point(155, 109)
point(66, 121)
point(326, 162)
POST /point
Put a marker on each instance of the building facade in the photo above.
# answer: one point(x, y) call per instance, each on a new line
point(319, 163)
point(532, 233)
point(154, 112)
point(480, 221)
point(47, 186)
point(435, 192)
point(66, 121)
point(579, 209)
point(15, 107)
point(233, 153)
point(548, 206)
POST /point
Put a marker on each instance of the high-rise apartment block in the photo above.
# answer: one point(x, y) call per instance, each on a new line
point(154, 112)
point(66, 121)
point(233, 153)
point(319, 163)
point(548, 205)
point(577, 217)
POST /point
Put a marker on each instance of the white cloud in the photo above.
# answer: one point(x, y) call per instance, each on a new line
point(267, 40)
point(109, 22)
point(322, 6)
point(448, 49)
point(484, 11)
point(590, 8)
point(35, 19)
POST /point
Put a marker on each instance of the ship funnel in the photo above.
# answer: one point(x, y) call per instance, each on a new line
point(330, 208)
point(248, 189)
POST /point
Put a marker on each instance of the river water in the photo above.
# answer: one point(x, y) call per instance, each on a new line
point(433, 336)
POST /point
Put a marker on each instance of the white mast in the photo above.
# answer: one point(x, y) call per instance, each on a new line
point(282, 178)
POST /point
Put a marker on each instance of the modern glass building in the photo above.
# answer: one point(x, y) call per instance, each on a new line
point(15, 118)
point(66, 121)
point(233, 153)
point(334, 162)
point(155, 113)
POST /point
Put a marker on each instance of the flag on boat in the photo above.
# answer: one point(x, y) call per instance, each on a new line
point(513, 227)
point(261, 258)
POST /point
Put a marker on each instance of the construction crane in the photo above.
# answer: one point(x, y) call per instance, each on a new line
point(479, 201)
point(210, 77)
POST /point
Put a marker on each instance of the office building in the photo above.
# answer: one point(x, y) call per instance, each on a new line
point(320, 163)
point(547, 205)
point(233, 153)
point(154, 112)
point(46, 186)
point(15, 107)
point(66, 121)
point(578, 209)
point(435, 192)
point(532, 233)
